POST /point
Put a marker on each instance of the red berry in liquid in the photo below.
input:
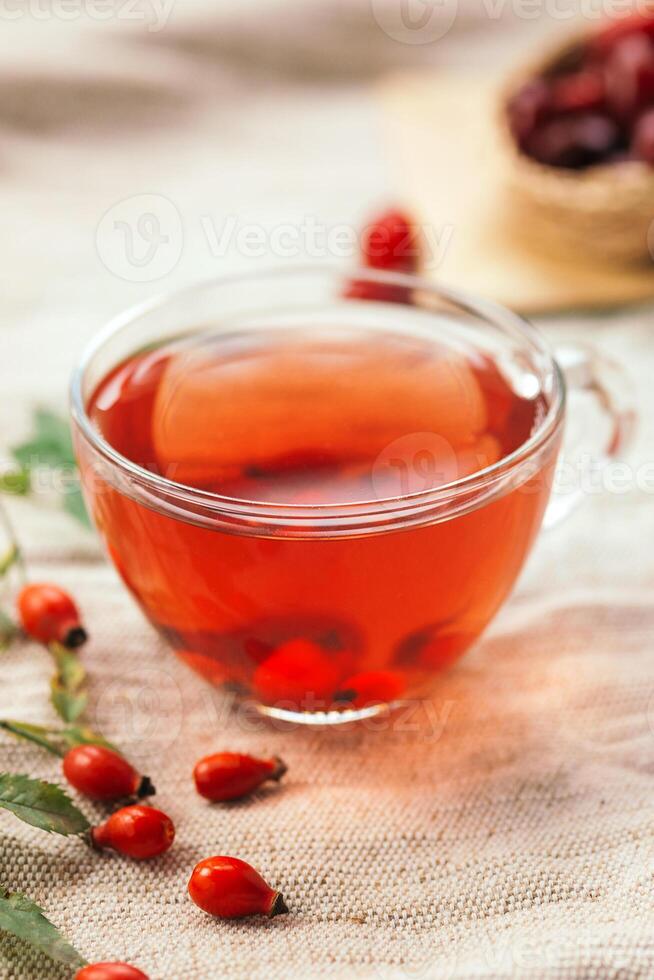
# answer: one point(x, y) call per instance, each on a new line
point(390, 243)
point(298, 673)
point(231, 889)
point(110, 971)
point(375, 687)
point(139, 832)
point(230, 776)
point(48, 614)
point(102, 774)
point(642, 146)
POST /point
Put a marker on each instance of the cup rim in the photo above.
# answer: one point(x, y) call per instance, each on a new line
point(243, 509)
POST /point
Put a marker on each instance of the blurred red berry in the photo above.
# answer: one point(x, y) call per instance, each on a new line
point(528, 108)
point(603, 42)
point(642, 146)
point(574, 142)
point(390, 243)
point(48, 614)
point(583, 91)
point(231, 889)
point(630, 76)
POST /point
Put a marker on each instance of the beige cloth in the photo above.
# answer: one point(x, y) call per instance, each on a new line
point(507, 828)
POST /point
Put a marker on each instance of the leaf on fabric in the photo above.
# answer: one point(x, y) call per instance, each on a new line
point(41, 804)
point(24, 919)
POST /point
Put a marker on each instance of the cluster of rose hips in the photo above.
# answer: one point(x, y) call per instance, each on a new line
point(221, 886)
point(596, 106)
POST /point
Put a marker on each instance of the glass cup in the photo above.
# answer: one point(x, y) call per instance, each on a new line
point(326, 613)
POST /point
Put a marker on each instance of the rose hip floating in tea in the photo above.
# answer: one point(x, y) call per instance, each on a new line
point(272, 403)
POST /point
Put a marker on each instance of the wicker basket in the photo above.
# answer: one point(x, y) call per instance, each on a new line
point(601, 211)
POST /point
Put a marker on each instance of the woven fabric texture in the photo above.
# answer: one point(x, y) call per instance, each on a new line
point(504, 828)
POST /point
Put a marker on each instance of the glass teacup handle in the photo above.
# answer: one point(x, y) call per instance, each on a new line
point(600, 421)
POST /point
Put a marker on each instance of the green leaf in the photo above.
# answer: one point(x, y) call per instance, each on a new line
point(75, 506)
point(68, 706)
point(32, 733)
point(9, 559)
point(8, 630)
point(16, 482)
point(56, 740)
point(67, 697)
point(22, 918)
point(51, 445)
point(41, 804)
point(81, 735)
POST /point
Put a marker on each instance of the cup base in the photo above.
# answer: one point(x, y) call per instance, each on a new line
point(325, 719)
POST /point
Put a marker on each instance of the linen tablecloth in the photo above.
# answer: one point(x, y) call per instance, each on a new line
point(504, 828)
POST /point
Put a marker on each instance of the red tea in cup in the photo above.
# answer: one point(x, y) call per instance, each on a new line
point(336, 525)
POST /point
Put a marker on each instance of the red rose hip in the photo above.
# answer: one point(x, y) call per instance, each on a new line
point(139, 832)
point(48, 614)
point(230, 776)
point(231, 889)
point(389, 243)
point(102, 774)
point(110, 971)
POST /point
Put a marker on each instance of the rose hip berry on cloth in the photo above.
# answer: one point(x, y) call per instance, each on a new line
point(230, 776)
point(231, 889)
point(139, 832)
point(110, 971)
point(48, 614)
point(102, 774)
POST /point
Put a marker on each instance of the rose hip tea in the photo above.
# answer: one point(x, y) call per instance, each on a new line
point(341, 574)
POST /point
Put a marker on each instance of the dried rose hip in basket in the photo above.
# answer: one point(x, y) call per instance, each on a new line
point(585, 106)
